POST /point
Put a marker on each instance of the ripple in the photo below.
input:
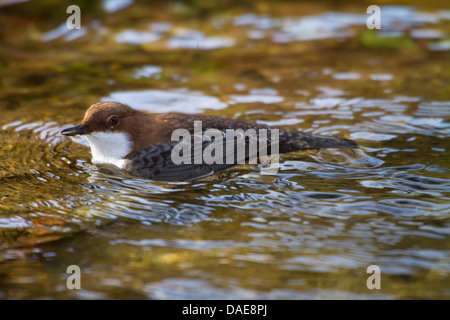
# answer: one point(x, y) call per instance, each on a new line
point(324, 213)
point(147, 72)
point(427, 34)
point(382, 76)
point(197, 40)
point(200, 245)
point(252, 98)
point(372, 136)
point(283, 122)
point(116, 5)
point(136, 37)
point(167, 101)
point(257, 21)
point(14, 222)
point(63, 32)
point(433, 109)
point(439, 46)
point(346, 76)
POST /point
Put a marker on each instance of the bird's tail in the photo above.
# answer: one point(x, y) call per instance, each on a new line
point(294, 141)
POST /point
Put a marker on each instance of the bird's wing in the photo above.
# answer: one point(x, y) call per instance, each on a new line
point(156, 161)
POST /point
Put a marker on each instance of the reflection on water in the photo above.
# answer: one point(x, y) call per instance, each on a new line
point(308, 232)
point(147, 71)
point(116, 5)
point(192, 39)
point(167, 101)
point(135, 37)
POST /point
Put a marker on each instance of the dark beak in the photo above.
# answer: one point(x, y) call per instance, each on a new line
point(77, 130)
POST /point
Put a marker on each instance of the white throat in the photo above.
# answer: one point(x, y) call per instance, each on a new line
point(109, 147)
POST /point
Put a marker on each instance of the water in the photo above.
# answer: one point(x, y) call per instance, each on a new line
point(308, 232)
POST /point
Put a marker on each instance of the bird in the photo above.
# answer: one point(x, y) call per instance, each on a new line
point(142, 144)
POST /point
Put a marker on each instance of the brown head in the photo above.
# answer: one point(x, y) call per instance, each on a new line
point(112, 130)
point(106, 117)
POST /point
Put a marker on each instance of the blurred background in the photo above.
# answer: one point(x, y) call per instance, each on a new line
point(309, 232)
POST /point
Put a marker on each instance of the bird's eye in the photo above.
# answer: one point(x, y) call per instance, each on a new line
point(112, 121)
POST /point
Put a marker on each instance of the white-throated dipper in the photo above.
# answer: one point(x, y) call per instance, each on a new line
point(141, 143)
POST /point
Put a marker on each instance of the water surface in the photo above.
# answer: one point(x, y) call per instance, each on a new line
point(308, 232)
